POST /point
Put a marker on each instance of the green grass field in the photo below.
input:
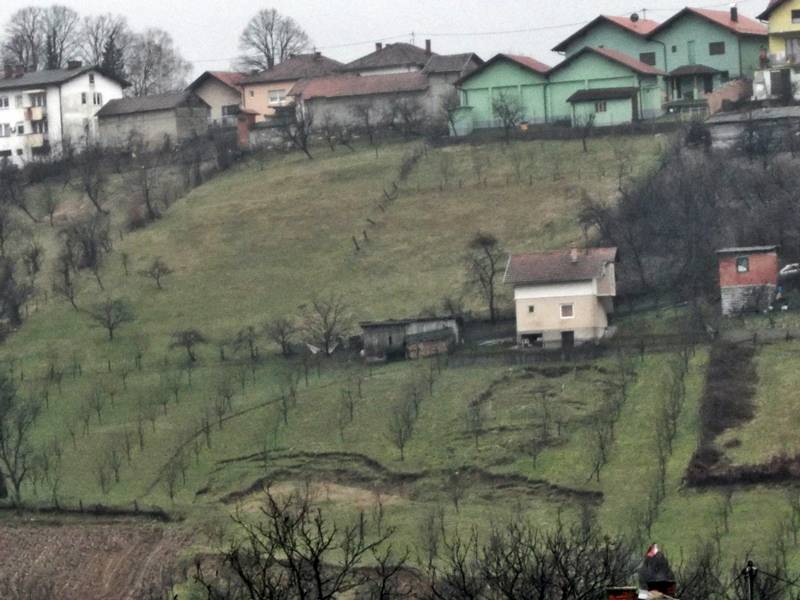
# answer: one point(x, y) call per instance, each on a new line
point(257, 243)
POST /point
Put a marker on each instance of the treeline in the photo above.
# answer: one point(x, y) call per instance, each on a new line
point(36, 38)
point(293, 550)
point(670, 223)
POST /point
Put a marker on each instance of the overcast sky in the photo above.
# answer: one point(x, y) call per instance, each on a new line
point(207, 31)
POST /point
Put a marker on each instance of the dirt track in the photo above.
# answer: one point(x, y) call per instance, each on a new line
point(112, 560)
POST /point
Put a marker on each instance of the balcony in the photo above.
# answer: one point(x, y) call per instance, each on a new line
point(36, 140)
point(35, 113)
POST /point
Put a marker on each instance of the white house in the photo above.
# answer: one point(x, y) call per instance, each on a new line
point(563, 298)
point(42, 110)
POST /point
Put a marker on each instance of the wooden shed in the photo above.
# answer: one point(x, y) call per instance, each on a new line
point(748, 278)
point(406, 338)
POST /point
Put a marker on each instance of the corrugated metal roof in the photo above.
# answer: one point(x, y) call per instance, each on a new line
point(748, 250)
point(603, 94)
point(558, 266)
point(126, 106)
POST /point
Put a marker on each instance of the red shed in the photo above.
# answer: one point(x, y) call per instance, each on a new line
point(747, 278)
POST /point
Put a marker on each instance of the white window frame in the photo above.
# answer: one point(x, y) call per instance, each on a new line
point(601, 106)
point(742, 264)
point(4, 102)
point(276, 96)
point(571, 305)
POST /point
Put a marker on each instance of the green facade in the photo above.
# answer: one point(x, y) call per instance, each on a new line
point(614, 112)
point(608, 35)
point(502, 78)
point(545, 99)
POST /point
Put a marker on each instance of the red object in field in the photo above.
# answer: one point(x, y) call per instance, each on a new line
point(748, 266)
point(622, 593)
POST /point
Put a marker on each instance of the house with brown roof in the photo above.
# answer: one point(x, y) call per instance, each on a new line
point(268, 91)
point(222, 91)
point(154, 121)
point(391, 59)
point(562, 298)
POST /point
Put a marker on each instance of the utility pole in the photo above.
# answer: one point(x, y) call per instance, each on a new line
point(750, 572)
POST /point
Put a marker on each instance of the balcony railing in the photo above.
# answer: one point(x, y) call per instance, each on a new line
point(37, 140)
point(35, 113)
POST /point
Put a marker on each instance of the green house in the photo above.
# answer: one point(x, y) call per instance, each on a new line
point(625, 34)
point(519, 77)
point(705, 48)
point(613, 86)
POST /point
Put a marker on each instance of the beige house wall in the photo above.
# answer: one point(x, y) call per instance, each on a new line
point(154, 128)
point(216, 94)
point(255, 96)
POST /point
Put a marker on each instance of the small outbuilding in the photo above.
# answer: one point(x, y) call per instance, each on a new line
point(748, 278)
point(415, 338)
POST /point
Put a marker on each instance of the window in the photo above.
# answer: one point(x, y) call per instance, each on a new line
point(716, 48)
point(19, 151)
point(91, 77)
point(18, 101)
point(5, 153)
point(97, 99)
point(20, 128)
point(5, 130)
point(601, 106)
point(230, 110)
point(742, 264)
point(252, 93)
point(83, 97)
point(3, 101)
point(38, 100)
point(648, 58)
point(567, 311)
point(530, 309)
point(796, 16)
point(39, 127)
point(276, 95)
point(674, 49)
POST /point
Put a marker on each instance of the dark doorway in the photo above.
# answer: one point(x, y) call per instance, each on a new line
point(567, 340)
point(533, 340)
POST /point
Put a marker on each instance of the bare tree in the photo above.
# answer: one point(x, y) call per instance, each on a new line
point(270, 38)
point(24, 38)
point(475, 420)
point(155, 66)
point(188, 339)
point(63, 280)
point(157, 270)
point(17, 418)
point(450, 103)
point(401, 426)
point(408, 116)
point(111, 314)
point(281, 331)
point(507, 108)
point(297, 128)
point(484, 263)
point(325, 320)
point(102, 36)
point(369, 123)
point(145, 178)
point(586, 124)
point(294, 551)
point(61, 35)
point(89, 176)
point(14, 294)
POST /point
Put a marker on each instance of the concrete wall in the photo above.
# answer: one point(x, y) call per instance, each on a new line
point(216, 94)
point(618, 112)
point(341, 110)
point(77, 117)
point(741, 299)
point(155, 127)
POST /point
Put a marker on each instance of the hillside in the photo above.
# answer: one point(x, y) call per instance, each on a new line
point(263, 239)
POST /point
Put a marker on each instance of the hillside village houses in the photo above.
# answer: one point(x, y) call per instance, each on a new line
point(222, 91)
point(563, 298)
point(43, 111)
point(779, 77)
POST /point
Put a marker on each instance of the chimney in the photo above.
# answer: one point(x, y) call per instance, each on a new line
point(573, 255)
point(317, 55)
point(428, 47)
point(378, 46)
point(734, 12)
point(19, 70)
point(8, 71)
point(74, 64)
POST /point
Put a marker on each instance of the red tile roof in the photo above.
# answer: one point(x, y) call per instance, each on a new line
point(616, 56)
point(527, 61)
point(641, 27)
point(341, 86)
point(230, 78)
point(773, 4)
point(558, 266)
point(742, 26)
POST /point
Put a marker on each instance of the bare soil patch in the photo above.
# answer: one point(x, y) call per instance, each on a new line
point(112, 560)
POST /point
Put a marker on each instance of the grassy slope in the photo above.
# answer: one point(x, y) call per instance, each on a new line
point(255, 244)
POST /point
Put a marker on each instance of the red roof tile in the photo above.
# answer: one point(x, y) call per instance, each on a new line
point(531, 63)
point(558, 266)
point(641, 27)
point(230, 78)
point(340, 86)
point(742, 26)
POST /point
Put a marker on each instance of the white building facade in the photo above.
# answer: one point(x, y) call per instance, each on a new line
point(43, 111)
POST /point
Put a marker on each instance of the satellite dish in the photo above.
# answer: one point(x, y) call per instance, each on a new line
point(635, 17)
